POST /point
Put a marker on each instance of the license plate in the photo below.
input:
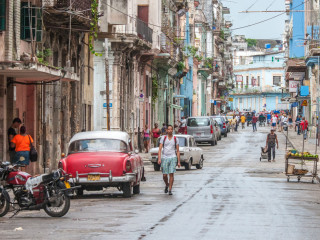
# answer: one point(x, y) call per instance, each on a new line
point(67, 184)
point(93, 177)
point(198, 134)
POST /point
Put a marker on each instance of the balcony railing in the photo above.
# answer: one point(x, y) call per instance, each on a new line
point(313, 47)
point(144, 32)
point(83, 6)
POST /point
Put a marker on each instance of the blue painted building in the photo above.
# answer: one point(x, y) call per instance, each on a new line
point(297, 23)
point(259, 84)
point(186, 88)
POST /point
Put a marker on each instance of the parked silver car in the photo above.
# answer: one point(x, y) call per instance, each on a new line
point(190, 153)
point(217, 128)
point(202, 129)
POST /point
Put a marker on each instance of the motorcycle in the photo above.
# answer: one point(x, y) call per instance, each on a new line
point(49, 192)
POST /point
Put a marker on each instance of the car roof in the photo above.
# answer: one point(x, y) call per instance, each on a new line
point(123, 136)
point(200, 117)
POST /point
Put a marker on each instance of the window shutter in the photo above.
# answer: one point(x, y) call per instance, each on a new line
point(36, 22)
point(2, 15)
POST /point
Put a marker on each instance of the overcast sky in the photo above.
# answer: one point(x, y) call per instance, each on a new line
point(271, 29)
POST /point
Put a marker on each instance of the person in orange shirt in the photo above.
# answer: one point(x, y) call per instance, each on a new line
point(22, 143)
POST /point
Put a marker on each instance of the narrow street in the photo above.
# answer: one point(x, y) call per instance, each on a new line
point(235, 196)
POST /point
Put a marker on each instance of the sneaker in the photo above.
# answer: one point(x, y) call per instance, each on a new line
point(166, 189)
point(170, 193)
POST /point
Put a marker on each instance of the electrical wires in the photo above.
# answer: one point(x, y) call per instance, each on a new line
point(268, 19)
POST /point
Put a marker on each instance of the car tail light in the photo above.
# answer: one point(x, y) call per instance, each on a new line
point(186, 131)
point(154, 154)
point(211, 129)
point(181, 153)
point(224, 125)
point(128, 165)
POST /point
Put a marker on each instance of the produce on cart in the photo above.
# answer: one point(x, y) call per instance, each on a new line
point(298, 162)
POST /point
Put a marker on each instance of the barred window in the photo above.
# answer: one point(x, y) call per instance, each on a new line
point(31, 15)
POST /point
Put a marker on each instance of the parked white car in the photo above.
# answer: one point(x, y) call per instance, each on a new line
point(190, 153)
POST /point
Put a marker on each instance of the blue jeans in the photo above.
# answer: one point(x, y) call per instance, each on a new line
point(254, 125)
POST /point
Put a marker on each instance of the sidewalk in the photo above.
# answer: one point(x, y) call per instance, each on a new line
point(145, 158)
point(297, 142)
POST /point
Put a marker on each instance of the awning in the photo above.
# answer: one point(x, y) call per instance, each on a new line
point(176, 107)
point(35, 72)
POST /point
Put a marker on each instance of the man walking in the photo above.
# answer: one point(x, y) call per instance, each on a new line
point(169, 147)
point(254, 122)
point(272, 139)
point(243, 121)
point(274, 120)
point(304, 127)
point(11, 133)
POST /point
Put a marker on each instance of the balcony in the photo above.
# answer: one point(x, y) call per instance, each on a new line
point(313, 48)
point(143, 31)
point(83, 7)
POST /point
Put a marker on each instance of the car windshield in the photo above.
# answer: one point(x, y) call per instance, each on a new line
point(94, 145)
point(198, 122)
point(182, 141)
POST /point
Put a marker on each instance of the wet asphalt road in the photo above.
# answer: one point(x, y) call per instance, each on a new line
point(235, 196)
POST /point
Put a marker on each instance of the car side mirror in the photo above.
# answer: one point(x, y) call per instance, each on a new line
point(136, 151)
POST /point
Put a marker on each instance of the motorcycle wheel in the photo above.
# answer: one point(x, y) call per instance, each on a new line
point(60, 207)
point(4, 203)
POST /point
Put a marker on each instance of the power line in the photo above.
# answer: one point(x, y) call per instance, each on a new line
point(270, 5)
point(252, 4)
point(265, 20)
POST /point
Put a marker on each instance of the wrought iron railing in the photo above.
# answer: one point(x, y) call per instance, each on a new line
point(144, 32)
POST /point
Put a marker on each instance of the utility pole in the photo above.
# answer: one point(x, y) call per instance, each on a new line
point(106, 63)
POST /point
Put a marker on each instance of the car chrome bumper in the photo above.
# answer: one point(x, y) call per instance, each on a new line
point(104, 178)
point(204, 139)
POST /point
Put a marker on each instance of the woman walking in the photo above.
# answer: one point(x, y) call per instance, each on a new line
point(146, 138)
point(22, 143)
point(155, 134)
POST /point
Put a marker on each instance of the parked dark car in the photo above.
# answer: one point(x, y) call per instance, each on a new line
point(223, 125)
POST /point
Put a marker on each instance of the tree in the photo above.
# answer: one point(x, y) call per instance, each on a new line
point(251, 42)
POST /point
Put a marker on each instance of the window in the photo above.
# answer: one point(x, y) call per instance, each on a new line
point(31, 15)
point(277, 80)
point(190, 142)
point(198, 122)
point(97, 145)
point(2, 15)
point(258, 81)
point(247, 81)
point(240, 100)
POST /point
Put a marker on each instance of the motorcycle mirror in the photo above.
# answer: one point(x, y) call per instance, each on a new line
point(63, 155)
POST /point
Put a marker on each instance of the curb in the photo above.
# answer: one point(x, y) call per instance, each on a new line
point(318, 178)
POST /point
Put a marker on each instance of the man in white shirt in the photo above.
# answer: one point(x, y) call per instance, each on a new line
point(169, 148)
point(274, 120)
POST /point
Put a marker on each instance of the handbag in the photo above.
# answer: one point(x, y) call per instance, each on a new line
point(33, 155)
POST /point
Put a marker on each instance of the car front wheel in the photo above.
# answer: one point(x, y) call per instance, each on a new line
point(200, 165)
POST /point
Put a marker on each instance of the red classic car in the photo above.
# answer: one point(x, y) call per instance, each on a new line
point(101, 159)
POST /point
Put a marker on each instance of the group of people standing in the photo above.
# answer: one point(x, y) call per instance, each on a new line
point(19, 144)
